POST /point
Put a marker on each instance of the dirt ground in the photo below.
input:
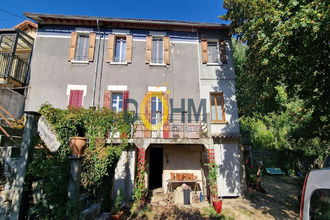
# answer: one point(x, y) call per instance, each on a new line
point(280, 202)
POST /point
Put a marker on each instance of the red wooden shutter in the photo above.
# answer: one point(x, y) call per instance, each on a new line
point(223, 55)
point(166, 127)
point(107, 99)
point(125, 100)
point(76, 97)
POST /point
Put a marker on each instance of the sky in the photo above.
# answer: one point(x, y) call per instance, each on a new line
point(11, 11)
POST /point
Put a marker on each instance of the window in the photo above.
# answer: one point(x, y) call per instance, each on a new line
point(214, 52)
point(156, 106)
point(76, 95)
point(157, 53)
point(320, 204)
point(120, 50)
point(76, 98)
point(217, 107)
point(116, 98)
point(157, 50)
point(6, 42)
point(117, 102)
point(82, 47)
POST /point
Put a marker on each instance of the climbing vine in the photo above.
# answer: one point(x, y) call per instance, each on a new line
point(98, 126)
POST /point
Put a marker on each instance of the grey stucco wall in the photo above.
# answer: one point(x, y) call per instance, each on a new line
point(220, 78)
point(51, 72)
point(12, 101)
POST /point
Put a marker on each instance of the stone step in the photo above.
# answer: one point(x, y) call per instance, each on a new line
point(91, 212)
point(6, 141)
point(104, 216)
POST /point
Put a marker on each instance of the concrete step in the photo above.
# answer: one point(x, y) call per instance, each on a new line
point(12, 131)
point(6, 141)
point(104, 216)
point(157, 195)
point(91, 212)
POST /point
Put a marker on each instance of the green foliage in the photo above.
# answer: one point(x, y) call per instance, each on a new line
point(212, 178)
point(119, 200)
point(52, 169)
point(140, 191)
point(282, 73)
point(49, 173)
point(212, 214)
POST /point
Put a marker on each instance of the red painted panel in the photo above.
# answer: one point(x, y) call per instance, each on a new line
point(76, 98)
point(125, 100)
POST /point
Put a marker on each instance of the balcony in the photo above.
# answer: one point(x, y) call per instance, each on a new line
point(178, 126)
point(15, 53)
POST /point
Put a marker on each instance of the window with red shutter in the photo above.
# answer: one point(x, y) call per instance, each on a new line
point(76, 98)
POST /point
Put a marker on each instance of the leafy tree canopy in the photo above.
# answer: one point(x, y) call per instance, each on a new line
point(283, 70)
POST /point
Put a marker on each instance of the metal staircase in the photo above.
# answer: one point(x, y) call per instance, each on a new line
point(11, 132)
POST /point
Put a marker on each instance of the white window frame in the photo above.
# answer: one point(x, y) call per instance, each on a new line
point(76, 87)
point(152, 49)
point(75, 60)
point(118, 100)
point(218, 52)
point(120, 52)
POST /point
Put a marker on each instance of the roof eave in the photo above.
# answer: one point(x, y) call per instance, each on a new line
point(90, 20)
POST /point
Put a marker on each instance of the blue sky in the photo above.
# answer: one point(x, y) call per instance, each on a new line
point(185, 10)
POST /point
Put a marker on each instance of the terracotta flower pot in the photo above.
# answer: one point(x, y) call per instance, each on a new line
point(78, 146)
point(217, 206)
point(118, 216)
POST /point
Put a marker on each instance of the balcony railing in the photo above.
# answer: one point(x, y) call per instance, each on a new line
point(14, 67)
point(177, 126)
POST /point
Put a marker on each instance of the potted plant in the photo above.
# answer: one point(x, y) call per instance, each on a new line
point(117, 213)
point(78, 143)
point(212, 181)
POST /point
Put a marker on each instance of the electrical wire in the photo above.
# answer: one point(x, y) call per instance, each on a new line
point(12, 14)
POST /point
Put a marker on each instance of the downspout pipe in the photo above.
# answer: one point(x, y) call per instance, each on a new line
point(97, 63)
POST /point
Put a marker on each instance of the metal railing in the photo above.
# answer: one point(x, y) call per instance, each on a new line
point(14, 67)
point(157, 60)
point(177, 126)
point(119, 59)
point(15, 123)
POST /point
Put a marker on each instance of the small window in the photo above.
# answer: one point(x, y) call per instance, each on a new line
point(157, 53)
point(82, 48)
point(117, 102)
point(120, 50)
point(156, 106)
point(213, 52)
point(217, 107)
point(320, 204)
point(6, 42)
